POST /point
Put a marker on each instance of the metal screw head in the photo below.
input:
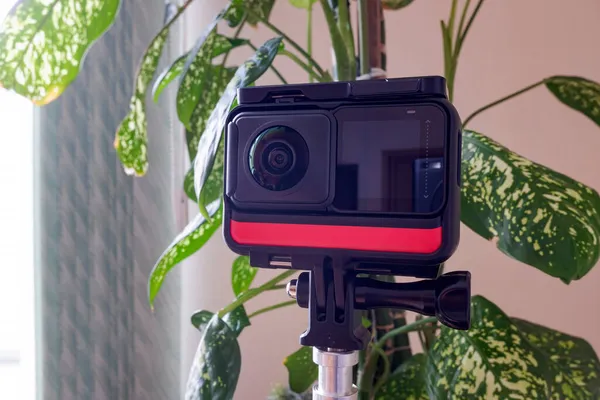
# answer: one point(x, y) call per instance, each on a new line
point(291, 288)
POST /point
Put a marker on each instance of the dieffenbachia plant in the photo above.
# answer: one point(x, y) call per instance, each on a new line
point(531, 213)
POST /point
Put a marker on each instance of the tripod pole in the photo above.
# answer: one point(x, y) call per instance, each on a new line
point(335, 374)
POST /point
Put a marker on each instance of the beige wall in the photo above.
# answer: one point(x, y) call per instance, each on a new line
point(513, 44)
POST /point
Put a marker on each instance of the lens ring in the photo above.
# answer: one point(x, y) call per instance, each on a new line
point(278, 158)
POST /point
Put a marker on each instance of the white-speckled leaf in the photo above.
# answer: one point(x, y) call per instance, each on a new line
point(219, 78)
point(216, 367)
point(242, 275)
point(578, 93)
point(196, 75)
point(209, 142)
point(236, 319)
point(532, 213)
point(501, 358)
point(407, 382)
point(302, 371)
point(190, 240)
point(131, 139)
point(223, 44)
point(257, 10)
point(43, 44)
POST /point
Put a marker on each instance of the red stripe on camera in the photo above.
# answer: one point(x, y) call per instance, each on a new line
point(362, 238)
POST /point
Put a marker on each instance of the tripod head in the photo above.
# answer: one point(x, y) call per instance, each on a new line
point(335, 296)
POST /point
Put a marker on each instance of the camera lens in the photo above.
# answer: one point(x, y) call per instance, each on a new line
point(278, 158)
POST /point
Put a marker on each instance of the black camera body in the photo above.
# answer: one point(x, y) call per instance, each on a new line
point(365, 171)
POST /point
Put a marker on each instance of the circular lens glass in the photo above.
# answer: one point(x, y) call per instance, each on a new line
point(278, 158)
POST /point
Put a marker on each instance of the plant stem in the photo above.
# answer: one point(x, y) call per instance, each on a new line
point(371, 363)
point(386, 372)
point(495, 103)
point(337, 42)
point(302, 64)
point(277, 287)
point(463, 35)
point(452, 17)
point(236, 34)
point(252, 293)
point(295, 45)
point(363, 33)
point(462, 19)
point(345, 29)
point(281, 78)
point(309, 34)
point(273, 307)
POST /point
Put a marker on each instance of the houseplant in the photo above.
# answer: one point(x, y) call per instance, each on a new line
point(538, 216)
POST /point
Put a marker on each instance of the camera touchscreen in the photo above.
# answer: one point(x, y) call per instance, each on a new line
point(390, 159)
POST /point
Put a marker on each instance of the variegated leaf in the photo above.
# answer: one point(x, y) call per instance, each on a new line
point(214, 183)
point(302, 371)
point(201, 318)
point(242, 275)
point(501, 358)
point(222, 45)
point(219, 78)
point(188, 185)
point(43, 44)
point(236, 319)
point(246, 74)
point(196, 75)
point(190, 240)
point(255, 10)
point(407, 382)
point(217, 363)
point(131, 141)
point(532, 213)
point(578, 93)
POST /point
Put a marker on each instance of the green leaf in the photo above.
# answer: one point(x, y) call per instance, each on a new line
point(216, 367)
point(246, 74)
point(168, 76)
point(242, 275)
point(219, 78)
point(236, 319)
point(256, 9)
point(196, 75)
point(44, 42)
point(578, 93)
point(131, 141)
point(222, 45)
point(503, 358)
point(201, 318)
point(532, 213)
point(190, 240)
point(366, 322)
point(302, 371)
point(304, 4)
point(188, 185)
point(407, 382)
point(395, 4)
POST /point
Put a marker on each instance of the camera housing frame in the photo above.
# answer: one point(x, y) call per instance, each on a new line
point(402, 244)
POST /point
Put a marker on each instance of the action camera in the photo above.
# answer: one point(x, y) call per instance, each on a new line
point(364, 171)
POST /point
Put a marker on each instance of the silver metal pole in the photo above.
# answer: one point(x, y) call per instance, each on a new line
point(335, 374)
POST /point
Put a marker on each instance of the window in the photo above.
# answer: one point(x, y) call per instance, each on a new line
point(17, 336)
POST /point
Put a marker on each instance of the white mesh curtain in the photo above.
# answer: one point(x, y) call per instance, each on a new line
point(100, 231)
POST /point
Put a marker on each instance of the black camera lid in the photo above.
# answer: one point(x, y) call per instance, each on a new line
point(396, 87)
